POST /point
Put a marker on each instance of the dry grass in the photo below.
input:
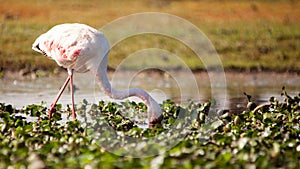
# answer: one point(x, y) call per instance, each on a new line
point(247, 34)
point(96, 12)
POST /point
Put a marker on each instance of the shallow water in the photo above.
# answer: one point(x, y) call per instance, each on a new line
point(177, 86)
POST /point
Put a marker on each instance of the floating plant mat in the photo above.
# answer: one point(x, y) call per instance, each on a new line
point(264, 136)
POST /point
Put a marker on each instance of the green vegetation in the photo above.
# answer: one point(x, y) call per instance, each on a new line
point(264, 136)
point(247, 34)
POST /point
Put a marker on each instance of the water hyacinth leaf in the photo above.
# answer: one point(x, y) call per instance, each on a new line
point(48, 147)
point(5, 116)
point(6, 108)
point(56, 116)
point(242, 142)
point(275, 150)
point(3, 127)
point(157, 162)
point(268, 138)
point(58, 106)
point(28, 128)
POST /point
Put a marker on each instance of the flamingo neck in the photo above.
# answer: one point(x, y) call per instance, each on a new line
point(153, 108)
point(105, 85)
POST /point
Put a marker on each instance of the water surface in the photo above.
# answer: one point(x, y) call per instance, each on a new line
point(24, 91)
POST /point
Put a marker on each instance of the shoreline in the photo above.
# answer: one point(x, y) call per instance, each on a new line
point(173, 84)
point(21, 74)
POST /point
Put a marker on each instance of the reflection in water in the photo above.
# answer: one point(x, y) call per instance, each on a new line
point(260, 86)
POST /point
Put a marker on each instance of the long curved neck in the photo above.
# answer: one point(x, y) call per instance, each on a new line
point(153, 109)
point(105, 85)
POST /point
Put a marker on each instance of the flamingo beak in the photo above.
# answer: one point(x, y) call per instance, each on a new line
point(38, 49)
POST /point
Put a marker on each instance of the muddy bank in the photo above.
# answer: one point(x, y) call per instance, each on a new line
point(27, 74)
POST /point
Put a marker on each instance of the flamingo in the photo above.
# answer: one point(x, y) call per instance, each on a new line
point(81, 48)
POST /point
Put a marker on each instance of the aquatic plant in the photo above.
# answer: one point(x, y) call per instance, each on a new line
point(265, 136)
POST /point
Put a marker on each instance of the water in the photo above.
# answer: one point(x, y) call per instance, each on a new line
point(177, 86)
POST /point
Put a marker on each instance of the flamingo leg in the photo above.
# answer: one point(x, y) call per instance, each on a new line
point(72, 95)
point(58, 96)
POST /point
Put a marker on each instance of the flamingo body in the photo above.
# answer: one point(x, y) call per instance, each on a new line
point(79, 47)
point(73, 46)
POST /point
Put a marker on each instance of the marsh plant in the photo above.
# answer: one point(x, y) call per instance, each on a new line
point(264, 136)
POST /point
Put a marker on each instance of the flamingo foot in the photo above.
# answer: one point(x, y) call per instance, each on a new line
point(73, 114)
point(51, 111)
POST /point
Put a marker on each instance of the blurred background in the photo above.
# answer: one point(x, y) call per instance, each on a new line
point(248, 35)
point(258, 42)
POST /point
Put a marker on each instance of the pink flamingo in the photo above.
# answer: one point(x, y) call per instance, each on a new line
point(81, 48)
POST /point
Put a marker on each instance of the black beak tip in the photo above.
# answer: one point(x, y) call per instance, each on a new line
point(38, 47)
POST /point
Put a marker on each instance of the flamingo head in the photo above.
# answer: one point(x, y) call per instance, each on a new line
point(36, 46)
point(154, 113)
